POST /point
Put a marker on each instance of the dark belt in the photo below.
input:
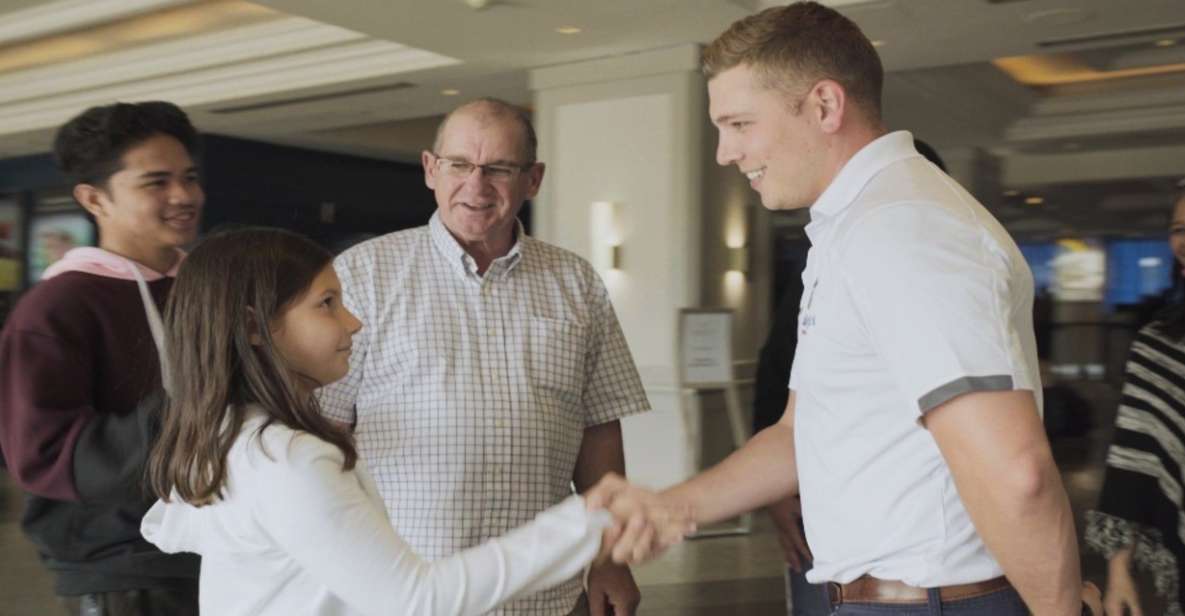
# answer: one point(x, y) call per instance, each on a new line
point(871, 590)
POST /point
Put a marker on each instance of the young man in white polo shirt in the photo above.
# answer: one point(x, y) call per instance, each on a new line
point(913, 428)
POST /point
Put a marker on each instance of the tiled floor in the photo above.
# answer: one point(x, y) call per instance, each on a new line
point(726, 576)
point(25, 587)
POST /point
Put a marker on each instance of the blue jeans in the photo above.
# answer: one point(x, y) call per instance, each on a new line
point(804, 598)
point(1004, 602)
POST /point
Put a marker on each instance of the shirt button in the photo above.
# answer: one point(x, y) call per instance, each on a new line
point(499, 424)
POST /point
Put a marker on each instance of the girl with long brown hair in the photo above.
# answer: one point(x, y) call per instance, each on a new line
point(273, 496)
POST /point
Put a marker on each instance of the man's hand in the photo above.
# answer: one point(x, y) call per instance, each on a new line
point(645, 523)
point(612, 591)
point(786, 514)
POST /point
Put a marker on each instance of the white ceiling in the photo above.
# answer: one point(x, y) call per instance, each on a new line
point(365, 76)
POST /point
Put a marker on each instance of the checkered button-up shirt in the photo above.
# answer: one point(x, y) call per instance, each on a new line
point(469, 393)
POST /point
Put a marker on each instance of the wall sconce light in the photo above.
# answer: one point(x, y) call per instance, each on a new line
point(604, 238)
point(738, 259)
point(614, 262)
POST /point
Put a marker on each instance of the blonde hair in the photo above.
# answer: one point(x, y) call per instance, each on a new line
point(795, 46)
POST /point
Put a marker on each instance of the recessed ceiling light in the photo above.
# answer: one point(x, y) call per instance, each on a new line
point(1165, 43)
point(450, 92)
point(568, 30)
point(1034, 200)
point(1011, 193)
point(878, 43)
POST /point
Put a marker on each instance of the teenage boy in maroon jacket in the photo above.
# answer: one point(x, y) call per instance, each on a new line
point(78, 365)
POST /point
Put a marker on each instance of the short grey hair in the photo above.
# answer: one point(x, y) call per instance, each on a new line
point(496, 107)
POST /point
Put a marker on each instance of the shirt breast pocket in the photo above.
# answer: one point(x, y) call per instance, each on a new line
point(556, 358)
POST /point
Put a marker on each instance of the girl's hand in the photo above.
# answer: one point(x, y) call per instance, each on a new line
point(645, 524)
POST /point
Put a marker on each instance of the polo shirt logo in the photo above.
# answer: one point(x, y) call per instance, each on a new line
point(808, 321)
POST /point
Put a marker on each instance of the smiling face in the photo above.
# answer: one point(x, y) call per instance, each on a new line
point(154, 201)
point(773, 140)
point(477, 208)
point(314, 334)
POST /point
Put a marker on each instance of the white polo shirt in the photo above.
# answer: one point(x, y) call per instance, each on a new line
point(913, 295)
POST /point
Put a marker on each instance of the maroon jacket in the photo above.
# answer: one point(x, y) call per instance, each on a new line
point(77, 363)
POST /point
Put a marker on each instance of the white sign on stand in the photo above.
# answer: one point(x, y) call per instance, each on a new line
point(706, 349)
point(706, 364)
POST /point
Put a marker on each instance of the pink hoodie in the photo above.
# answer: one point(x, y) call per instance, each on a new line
point(107, 264)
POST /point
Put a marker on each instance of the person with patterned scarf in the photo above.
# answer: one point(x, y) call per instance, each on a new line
point(1140, 519)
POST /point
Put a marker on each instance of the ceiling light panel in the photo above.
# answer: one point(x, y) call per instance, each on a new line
point(155, 27)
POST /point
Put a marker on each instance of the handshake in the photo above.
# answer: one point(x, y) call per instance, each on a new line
point(645, 524)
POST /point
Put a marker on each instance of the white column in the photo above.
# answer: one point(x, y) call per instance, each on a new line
point(633, 131)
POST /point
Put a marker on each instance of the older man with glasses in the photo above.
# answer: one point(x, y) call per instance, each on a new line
point(492, 372)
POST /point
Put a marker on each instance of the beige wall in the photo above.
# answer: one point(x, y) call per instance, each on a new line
point(634, 131)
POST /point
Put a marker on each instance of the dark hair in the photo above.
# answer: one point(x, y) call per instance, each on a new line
point(1171, 319)
point(233, 285)
point(929, 153)
point(498, 108)
point(89, 148)
point(796, 46)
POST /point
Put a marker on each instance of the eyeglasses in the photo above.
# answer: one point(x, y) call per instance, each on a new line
point(461, 169)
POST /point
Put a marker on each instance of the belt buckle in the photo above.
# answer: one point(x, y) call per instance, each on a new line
point(835, 594)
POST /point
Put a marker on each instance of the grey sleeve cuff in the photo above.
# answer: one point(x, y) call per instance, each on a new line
point(964, 385)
